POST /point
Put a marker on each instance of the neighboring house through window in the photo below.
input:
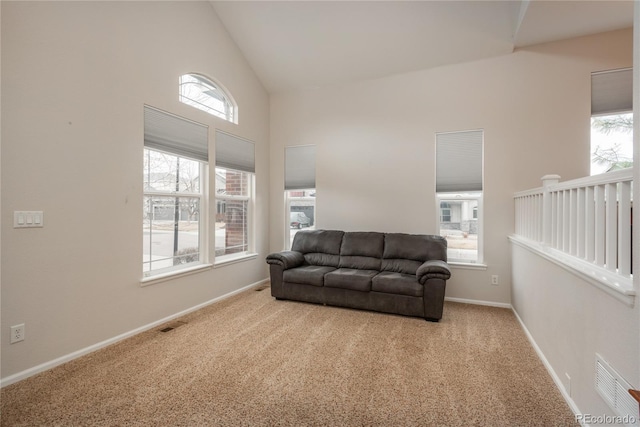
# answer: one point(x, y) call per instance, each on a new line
point(445, 212)
point(459, 189)
point(235, 170)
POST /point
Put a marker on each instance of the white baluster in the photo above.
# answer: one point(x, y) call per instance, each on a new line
point(599, 243)
point(547, 207)
point(624, 229)
point(590, 224)
point(611, 232)
point(580, 223)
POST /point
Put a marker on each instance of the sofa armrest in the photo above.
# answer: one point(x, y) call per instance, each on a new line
point(433, 269)
point(286, 259)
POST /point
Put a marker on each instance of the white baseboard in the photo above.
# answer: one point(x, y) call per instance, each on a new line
point(479, 302)
point(545, 362)
point(69, 357)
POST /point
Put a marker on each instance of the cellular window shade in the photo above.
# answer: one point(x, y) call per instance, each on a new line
point(300, 167)
point(459, 161)
point(235, 153)
point(175, 135)
point(612, 92)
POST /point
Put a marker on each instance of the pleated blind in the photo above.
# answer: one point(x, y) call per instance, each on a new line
point(611, 92)
point(175, 135)
point(233, 152)
point(459, 161)
point(300, 167)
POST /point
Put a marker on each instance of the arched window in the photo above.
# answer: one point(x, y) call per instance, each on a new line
point(203, 94)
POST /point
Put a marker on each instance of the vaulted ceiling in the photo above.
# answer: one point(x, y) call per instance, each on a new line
point(297, 44)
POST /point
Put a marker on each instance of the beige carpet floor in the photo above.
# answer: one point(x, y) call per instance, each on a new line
point(253, 361)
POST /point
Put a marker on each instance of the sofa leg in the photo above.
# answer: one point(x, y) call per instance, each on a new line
point(431, 319)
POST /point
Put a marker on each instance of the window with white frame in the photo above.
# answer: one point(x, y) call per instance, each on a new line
point(459, 194)
point(175, 177)
point(204, 94)
point(235, 171)
point(611, 120)
point(300, 192)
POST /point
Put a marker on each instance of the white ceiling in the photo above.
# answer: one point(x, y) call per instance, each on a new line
point(297, 44)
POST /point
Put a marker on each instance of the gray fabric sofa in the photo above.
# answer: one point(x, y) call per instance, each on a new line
point(387, 272)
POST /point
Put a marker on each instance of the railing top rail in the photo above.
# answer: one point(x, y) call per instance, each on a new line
point(533, 192)
point(622, 175)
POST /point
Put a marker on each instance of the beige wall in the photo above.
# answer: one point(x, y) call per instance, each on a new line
point(376, 142)
point(75, 77)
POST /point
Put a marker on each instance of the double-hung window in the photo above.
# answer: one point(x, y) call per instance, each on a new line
point(235, 176)
point(300, 190)
point(459, 194)
point(175, 180)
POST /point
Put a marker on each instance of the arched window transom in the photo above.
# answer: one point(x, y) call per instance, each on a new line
point(204, 94)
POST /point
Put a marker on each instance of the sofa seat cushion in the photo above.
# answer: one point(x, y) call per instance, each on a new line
point(347, 278)
point(307, 275)
point(397, 283)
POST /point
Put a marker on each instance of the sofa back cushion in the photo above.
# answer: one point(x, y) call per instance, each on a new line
point(362, 250)
point(319, 247)
point(404, 253)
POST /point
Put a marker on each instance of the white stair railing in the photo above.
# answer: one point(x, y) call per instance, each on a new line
point(587, 218)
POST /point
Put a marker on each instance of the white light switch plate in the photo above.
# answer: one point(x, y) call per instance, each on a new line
point(28, 219)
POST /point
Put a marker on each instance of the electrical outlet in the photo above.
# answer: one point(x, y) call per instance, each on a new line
point(17, 333)
point(494, 280)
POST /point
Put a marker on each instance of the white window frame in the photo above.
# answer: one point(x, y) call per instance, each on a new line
point(460, 197)
point(161, 274)
point(249, 253)
point(287, 225)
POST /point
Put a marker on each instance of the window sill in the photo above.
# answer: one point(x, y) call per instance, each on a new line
point(163, 277)
point(466, 265)
point(233, 259)
point(610, 282)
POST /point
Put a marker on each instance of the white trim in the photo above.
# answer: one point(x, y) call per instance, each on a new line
point(11, 379)
point(572, 405)
point(234, 258)
point(479, 302)
point(467, 265)
point(613, 284)
point(174, 274)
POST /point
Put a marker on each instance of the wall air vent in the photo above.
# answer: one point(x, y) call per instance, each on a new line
point(172, 326)
point(615, 391)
